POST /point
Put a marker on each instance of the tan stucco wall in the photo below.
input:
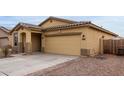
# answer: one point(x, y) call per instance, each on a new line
point(3, 41)
point(10, 40)
point(28, 42)
point(28, 38)
point(93, 37)
point(53, 23)
point(92, 41)
point(3, 34)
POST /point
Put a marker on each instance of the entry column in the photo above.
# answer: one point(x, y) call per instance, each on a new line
point(19, 43)
point(28, 42)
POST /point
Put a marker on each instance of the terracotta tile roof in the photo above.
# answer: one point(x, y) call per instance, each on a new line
point(29, 25)
point(79, 24)
point(67, 26)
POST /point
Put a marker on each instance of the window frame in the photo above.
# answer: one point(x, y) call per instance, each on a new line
point(15, 39)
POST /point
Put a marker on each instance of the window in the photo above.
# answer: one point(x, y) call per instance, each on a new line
point(15, 39)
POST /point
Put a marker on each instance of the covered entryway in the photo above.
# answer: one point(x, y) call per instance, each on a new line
point(69, 44)
point(36, 42)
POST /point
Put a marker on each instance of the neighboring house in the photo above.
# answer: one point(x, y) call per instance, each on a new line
point(59, 36)
point(4, 33)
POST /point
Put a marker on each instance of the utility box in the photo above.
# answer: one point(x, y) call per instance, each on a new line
point(120, 51)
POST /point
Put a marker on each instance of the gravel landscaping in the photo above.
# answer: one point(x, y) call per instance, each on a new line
point(106, 65)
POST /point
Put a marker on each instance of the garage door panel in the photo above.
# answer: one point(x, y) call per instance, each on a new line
point(69, 45)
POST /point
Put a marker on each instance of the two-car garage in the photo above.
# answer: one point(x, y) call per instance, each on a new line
point(65, 44)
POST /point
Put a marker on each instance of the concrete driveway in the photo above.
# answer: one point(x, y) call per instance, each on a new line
point(22, 65)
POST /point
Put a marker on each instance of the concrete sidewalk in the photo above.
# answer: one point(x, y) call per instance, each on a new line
point(22, 65)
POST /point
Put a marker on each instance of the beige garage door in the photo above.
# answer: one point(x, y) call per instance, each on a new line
point(69, 45)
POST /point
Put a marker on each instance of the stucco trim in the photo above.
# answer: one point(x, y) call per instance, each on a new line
point(63, 34)
point(3, 37)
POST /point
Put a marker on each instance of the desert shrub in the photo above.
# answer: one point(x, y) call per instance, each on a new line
point(6, 51)
point(1, 52)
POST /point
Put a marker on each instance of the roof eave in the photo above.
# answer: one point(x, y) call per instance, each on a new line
point(102, 29)
point(5, 30)
point(19, 26)
point(14, 28)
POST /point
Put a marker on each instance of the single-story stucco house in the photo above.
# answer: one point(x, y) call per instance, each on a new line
point(4, 33)
point(59, 36)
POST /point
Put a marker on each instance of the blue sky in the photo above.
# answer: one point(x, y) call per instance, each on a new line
point(112, 23)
